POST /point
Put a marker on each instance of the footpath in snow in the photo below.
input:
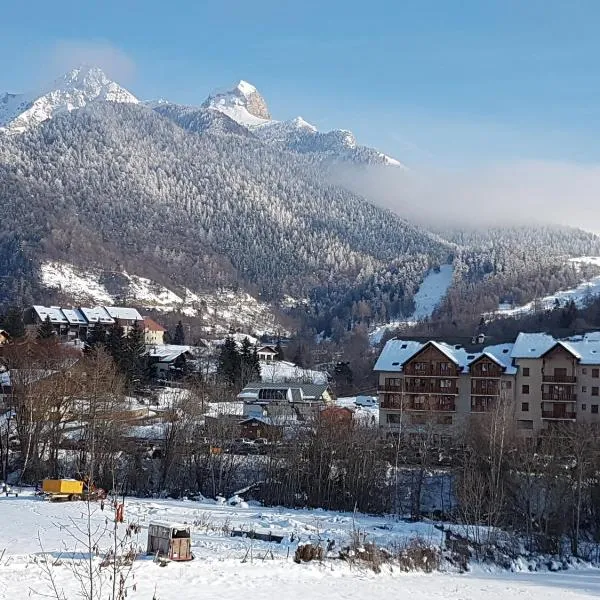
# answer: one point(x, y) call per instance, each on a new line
point(219, 570)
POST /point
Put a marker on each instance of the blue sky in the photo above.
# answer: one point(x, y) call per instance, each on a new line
point(430, 82)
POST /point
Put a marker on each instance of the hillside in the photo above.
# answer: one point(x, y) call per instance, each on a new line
point(221, 196)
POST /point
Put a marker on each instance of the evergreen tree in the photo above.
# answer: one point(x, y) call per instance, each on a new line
point(133, 354)
point(46, 330)
point(280, 355)
point(229, 364)
point(255, 366)
point(115, 344)
point(179, 336)
point(167, 338)
point(97, 337)
point(13, 323)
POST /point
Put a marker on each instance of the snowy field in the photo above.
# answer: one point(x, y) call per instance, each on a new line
point(428, 297)
point(218, 570)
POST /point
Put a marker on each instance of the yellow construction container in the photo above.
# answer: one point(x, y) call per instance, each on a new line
point(62, 486)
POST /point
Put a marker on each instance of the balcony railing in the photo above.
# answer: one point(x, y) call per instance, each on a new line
point(554, 397)
point(562, 416)
point(431, 389)
point(430, 372)
point(559, 379)
point(407, 405)
point(389, 388)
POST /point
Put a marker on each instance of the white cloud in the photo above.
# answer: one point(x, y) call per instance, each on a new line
point(508, 193)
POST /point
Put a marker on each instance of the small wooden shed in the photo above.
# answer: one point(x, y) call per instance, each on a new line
point(170, 540)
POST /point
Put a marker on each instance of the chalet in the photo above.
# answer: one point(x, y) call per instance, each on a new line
point(154, 333)
point(266, 353)
point(168, 360)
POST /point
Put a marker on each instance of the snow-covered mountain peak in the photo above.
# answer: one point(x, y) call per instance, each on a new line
point(300, 123)
point(75, 89)
point(241, 102)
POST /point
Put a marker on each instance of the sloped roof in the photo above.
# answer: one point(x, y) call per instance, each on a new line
point(308, 390)
point(152, 325)
point(586, 348)
point(54, 312)
point(74, 316)
point(97, 315)
point(167, 352)
point(124, 313)
point(397, 352)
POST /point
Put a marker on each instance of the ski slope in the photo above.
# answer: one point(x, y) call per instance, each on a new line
point(428, 297)
point(219, 569)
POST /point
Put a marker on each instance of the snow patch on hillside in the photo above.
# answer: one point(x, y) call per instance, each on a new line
point(221, 310)
point(581, 294)
point(428, 297)
point(287, 371)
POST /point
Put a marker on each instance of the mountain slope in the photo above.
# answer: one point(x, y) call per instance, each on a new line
point(118, 184)
point(76, 89)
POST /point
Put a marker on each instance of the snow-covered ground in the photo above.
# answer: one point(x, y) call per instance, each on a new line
point(220, 310)
point(219, 569)
point(429, 295)
point(580, 294)
point(283, 370)
point(365, 408)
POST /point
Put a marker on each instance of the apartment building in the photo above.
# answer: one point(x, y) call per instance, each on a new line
point(558, 381)
point(438, 386)
point(543, 381)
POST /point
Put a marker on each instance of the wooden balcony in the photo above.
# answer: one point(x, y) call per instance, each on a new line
point(483, 404)
point(389, 388)
point(554, 415)
point(571, 379)
point(431, 404)
point(554, 397)
point(430, 371)
point(431, 388)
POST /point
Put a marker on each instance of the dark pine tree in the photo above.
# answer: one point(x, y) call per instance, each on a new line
point(179, 336)
point(229, 364)
point(255, 366)
point(280, 355)
point(13, 323)
point(134, 346)
point(46, 330)
point(115, 344)
point(97, 337)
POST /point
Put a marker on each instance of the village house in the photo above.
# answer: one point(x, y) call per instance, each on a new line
point(266, 353)
point(168, 360)
point(281, 401)
point(154, 333)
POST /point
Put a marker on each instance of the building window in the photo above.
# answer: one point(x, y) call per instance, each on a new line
point(525, 389)
point(525, 371)
point(584, 388)
point(583, 406)
point(584, 371)
point(595, 391)
point(594, 409)
point(525, 406)
point(595, 373)
point(524, 424)
point(393, 419)
point(445, 383)
point(444, 420)
point(507, 385)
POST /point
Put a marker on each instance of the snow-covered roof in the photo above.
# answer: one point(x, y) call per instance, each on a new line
point(124, 313)
point(397, 352)
point(74, 316)
point(97, 315)
point(299, 391)
point(54, 312)
point(585, 348)
point(167, 352)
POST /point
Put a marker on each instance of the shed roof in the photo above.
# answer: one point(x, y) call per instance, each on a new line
point(124, 313)
point(54, 312)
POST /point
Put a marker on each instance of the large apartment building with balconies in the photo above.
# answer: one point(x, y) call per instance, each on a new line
point(439, 386)
point(541, 380)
